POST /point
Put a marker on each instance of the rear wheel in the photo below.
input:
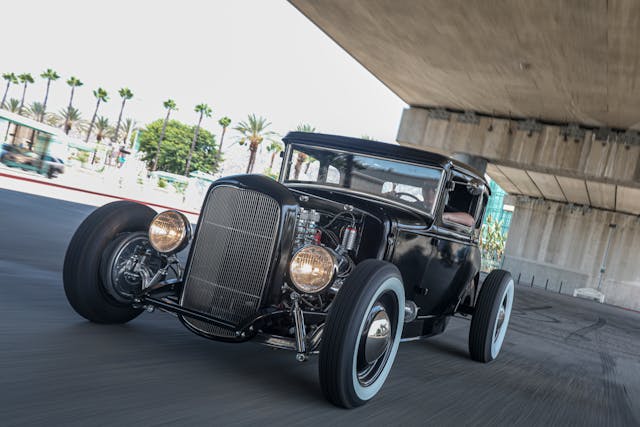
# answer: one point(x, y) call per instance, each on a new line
point(84, 283)
point(491, 316)
point(362, 334)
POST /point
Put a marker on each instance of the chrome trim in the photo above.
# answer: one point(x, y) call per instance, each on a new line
point(276, 341)
point(186, 237)
point(334, 273)
point(301, 332)
point(232, 303)
point(286, 165)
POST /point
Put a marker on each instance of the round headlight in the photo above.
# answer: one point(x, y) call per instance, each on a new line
point(312, 269)
point(169, 231)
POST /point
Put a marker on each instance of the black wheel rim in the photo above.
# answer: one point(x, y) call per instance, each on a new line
point(122, 281)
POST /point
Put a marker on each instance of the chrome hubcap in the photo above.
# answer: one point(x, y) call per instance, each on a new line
point(378, 336)
point(500, 320)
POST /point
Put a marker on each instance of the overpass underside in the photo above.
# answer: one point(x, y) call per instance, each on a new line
point(570, 183)
point(533, 87)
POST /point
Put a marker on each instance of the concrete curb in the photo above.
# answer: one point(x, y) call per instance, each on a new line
point(95, 193)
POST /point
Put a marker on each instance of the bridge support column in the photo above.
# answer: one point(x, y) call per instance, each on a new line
point(561, 243)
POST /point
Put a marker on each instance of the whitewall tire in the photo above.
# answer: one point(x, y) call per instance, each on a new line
point(491, 316)
point(362, 334)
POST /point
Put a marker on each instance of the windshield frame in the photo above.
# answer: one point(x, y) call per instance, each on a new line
point(287, 163)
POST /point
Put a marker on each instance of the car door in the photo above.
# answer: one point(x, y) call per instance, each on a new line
point(454, 256)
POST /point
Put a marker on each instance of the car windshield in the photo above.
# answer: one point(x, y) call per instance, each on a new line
point(410, 184)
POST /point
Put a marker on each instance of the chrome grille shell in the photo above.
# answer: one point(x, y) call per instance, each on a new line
point(231, 258)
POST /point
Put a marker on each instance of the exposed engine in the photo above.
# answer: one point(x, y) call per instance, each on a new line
point(337, 232)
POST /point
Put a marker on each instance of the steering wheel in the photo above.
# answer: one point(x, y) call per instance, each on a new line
point(400, 194)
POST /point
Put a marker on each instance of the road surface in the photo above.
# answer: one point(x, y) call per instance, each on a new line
point(565, 361)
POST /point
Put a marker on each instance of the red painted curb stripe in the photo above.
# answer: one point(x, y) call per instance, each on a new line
point(95, 193)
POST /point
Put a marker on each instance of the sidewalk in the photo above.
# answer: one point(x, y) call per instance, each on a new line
point(96, 189)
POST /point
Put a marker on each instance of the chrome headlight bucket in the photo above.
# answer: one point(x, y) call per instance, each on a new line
point(312, 269)
point(169, 232)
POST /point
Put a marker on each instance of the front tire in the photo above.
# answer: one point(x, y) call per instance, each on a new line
point(491, 316)
point(83, 283)
point(362, 334)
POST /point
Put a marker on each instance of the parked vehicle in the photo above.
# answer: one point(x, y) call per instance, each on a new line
point(28, 160)
point(372, 245)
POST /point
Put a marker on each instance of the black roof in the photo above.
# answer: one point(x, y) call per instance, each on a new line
point(380, 149)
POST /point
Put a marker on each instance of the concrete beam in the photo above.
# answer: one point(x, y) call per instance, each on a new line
point(503, 143)
point(544, 161)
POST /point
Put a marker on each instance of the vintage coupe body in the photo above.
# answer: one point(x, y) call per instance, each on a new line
point(360, 245)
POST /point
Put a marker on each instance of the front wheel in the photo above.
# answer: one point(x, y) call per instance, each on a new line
point(362, 334)
point(100, 234)
point(491, 316)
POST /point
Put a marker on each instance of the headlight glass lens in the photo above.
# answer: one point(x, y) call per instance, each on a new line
point(169, 231)
point(312, 269)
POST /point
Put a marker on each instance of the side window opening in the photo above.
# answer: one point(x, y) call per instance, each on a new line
point(461, 205)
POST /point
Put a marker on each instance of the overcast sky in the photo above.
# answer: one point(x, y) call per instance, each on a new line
point(240, 57)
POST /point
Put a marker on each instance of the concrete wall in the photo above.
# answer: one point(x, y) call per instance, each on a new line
point(559, 243)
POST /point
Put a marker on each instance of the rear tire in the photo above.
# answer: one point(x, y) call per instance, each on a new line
point(83, 283)
point(491, 316)
point(351, 370)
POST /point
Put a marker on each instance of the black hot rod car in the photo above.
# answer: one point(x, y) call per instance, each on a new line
point(360, 245)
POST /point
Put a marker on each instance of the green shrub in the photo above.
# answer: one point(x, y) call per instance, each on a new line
point(82, 156)
point(162, 183)
point(180, 187)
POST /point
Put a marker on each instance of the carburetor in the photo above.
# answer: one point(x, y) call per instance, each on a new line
point(306, 227)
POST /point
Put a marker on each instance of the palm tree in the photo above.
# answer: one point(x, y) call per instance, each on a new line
point(302, 158)
point(125, 94)
point(74, 83)
point(35, 110)
point(305, 127)
point(102, 96)
point(13, 105)
point(25, 79)
point(203, 110)
point(48, 75)
point(70, 118)
point(253, 131)
point(169, 105)
point(224, 122)
point(274, 148)
point(129, 126)
point(103, 129)
point(309, 160)
point(11, 79)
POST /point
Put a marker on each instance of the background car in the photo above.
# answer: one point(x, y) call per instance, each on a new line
point(15, 156)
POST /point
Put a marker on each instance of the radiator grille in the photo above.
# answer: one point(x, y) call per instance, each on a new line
point(230, 262)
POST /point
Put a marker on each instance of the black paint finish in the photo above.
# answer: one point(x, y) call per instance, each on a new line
point(439, 262)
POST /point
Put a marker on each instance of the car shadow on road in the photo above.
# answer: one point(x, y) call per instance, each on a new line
point(251, 367)
point(439, 345)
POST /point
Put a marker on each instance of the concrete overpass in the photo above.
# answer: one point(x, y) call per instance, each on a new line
point(548, 92)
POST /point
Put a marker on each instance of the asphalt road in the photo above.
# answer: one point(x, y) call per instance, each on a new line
point(565, 361)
